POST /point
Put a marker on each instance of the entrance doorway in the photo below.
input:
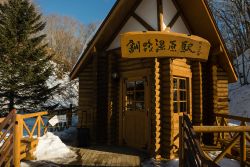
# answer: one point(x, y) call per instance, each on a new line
point(135, 112)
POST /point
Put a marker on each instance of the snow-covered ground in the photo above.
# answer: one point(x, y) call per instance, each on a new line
point(239, 100)
point(239, 96)
point(52, 151)
point(51, 148)
point(55, 151)
point(225, 162)
point(67, 92)
point(152, 163)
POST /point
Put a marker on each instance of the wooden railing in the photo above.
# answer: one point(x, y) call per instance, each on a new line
point(224, 120)
point(33, 132)
point(7, 126)
point(37, 125)
point(190, 151)
point(230, 140)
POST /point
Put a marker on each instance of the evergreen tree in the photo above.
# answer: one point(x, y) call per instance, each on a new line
point(24, 62)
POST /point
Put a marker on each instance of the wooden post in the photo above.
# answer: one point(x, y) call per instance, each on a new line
point(39, 126)
point(17, 140)
point(156, 110)
point(243, 151)
point(69, 116)
point(181, 142)
point(160, 15)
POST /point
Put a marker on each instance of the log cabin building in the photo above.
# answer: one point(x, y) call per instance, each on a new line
point(150, 61)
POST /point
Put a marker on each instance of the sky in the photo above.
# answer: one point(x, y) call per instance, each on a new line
point(85, 11)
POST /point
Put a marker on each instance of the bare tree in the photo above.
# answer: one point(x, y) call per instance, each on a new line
point(66, 38)
point(233, 18)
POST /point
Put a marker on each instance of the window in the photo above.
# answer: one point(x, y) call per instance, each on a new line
point(180, 95)
point(135, 95)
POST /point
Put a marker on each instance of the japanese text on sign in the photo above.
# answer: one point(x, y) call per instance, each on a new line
point(162, 44)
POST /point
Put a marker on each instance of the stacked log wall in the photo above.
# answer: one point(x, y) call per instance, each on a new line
point(222, 91)
point(197, 93)
point(166, 103)
point(87, 99)
point(113, 102)
point(102, 98)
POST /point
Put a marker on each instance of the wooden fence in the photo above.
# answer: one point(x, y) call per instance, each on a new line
point(25, 145)
point(15, 144)
point(7, 127)
point(190, 151)
point(230, 140)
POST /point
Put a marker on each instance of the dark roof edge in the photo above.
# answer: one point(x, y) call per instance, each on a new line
point(235, 77)
point(75, 69)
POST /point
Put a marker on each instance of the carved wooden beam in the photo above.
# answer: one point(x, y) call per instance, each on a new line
point(182, 16)
point(143, 22)
point(122, 24)
point(160, 15)
point(176, 16)
point(217, 50)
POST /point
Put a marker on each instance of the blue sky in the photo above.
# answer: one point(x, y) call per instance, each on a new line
point(86, 11)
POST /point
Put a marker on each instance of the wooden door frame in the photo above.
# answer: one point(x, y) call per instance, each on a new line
point(185, 74)
point(133, 74)
point(180, 73)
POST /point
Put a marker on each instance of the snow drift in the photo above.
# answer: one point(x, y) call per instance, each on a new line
point(51, 148)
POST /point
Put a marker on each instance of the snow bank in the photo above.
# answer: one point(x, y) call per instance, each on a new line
point(68, 136)
point(239, 96)
point(66, 94)
point(239, 100)
point(51, 148)
point(225, 162)
point(152, 163)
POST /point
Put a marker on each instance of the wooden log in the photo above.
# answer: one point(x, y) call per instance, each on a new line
point(223, 153)
point(181, 143)
point(243, 149)
point(17, 140)
point(214, 129)
point(238, 118)
point(33, 115)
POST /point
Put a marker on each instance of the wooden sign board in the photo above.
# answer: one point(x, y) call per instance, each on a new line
point(163, 44)
point(57, 118)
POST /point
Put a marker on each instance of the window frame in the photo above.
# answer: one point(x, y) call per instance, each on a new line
point(134, 100)
point(178, 89)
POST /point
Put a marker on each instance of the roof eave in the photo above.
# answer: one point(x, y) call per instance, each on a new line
point(232, 74)
point(90, 46)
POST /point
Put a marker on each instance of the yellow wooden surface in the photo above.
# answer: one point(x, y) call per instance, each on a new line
point(1, 120)
point(6, 138)
point(34, 115)
point(31, 143)
point(17, 141)
point(135, 122)
point(163, 44)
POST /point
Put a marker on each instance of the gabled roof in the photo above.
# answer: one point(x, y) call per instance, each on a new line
point(196, 13)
